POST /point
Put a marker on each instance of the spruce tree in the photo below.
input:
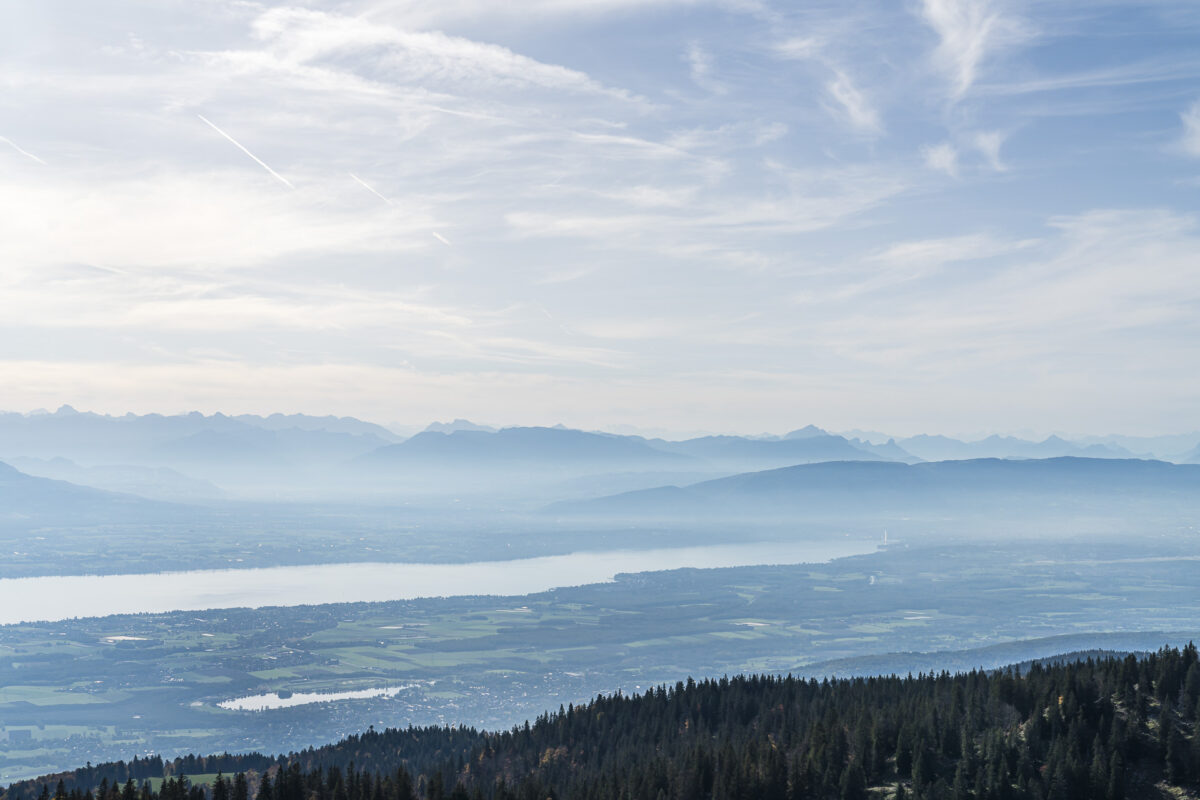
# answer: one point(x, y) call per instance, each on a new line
point(853, 785)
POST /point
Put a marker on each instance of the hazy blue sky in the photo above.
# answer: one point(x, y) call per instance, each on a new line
point(940, 215)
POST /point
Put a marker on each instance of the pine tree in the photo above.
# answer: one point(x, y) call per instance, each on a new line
point(1116, 778)
point(853, 785)
point(920, 770)
point(1177, 757)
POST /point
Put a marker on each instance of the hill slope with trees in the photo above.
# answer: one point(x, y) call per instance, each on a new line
point(1098, 729)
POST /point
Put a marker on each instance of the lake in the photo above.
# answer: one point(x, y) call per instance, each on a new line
point(59, 597)
point(264, 702)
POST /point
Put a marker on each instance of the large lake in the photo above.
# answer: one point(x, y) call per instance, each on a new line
point(63, 597)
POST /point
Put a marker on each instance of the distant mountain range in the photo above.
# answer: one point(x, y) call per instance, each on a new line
point(247, 454)
point(156, 439)
point(192, 457)
point(736, 452)
point(933, 487)
point(1167, 448)
point(329, 424)
point(942, 448)
point(1067, 487)
point(538, 454)
point(457, 425)
point(1191, 457)
point(533, 449)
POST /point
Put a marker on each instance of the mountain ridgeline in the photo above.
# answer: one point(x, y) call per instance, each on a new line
point(1098, 729)
point(1056, 485)
point(38, 501)
point(211, 458)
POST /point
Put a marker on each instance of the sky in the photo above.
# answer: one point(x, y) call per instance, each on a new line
point(738, 215)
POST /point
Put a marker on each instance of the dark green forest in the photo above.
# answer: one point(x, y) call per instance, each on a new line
point(1108, 728)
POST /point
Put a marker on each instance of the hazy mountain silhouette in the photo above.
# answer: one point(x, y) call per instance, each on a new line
point(249, 456)
point(528, 448)
point(257, 446)
point(739, 453)
point(888, 451)
point(457, 425)
point(330, 424)
point(157, 440)
point(841, 487)
point(943, 448)
point(26, 499)
point(1167, 447)
point(807, 432)
point(156, 483)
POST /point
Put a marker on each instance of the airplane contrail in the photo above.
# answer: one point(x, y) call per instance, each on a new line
point(25, 153)
point(239, 146)
point(369, 188)
point(373, 191)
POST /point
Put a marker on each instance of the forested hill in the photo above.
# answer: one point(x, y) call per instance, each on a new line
point(1099, 729)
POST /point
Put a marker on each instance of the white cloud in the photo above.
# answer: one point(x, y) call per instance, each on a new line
point(729, 136)
point(988, 143)
point(849, 103)
point(918, 260)
point(206, 220)
point(419, 13)
point(815, 199)
point(1146, 71)
point(1097, 311)
point(1191, 130)
point(853, 106)
point(942, 158)
point(700, 65)
point(929, 254)
point(645, 196)
point(425, 58)
point(799, 47)
point(970, 31)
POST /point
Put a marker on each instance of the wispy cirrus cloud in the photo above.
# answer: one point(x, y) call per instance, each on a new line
point(844, 99)
point(969, 32)
point(426, 58)
point(930, 254)
point(416, 13)
point(1146, 70)
point(988, 143)
point(969, 151)
point(1190, 140)
point(853, 105)
point(1104, 291)
point(210, 220)
point(702, 67)
point(942, 157)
